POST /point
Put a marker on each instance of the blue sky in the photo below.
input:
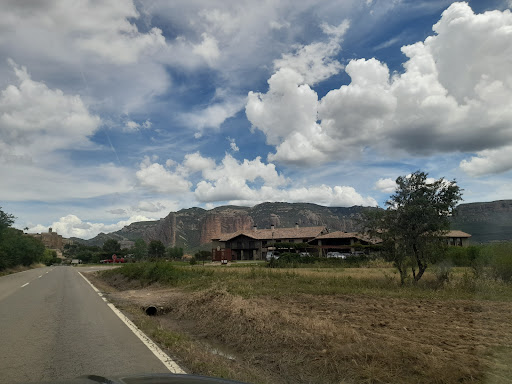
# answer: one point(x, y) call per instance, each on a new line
point(124, 111)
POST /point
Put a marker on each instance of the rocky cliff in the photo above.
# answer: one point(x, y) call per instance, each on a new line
point(485, 221)
point(195, 227)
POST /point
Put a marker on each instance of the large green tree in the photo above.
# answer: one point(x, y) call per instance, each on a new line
point(413, 225)
point(111, 246)
point(156, 249)
point(16, 248)
point(140, 249)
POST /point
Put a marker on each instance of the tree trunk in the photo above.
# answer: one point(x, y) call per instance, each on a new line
point(421, 267)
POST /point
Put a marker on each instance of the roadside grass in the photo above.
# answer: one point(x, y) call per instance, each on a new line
point(20, 268)
point(318, 325)
point(200, 358)
point(257, 281)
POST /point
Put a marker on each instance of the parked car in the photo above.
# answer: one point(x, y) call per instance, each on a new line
point(336, 255)
point(304, 254)
point(272, 255)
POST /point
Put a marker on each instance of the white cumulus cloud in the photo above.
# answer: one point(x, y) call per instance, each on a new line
point(386, 185)
point(450, 98)
point(157, 178)
point(489, 161)
point(35, 119)
point(73, 226)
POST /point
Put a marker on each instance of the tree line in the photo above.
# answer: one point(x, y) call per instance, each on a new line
point(141, 250)
point(18, 249)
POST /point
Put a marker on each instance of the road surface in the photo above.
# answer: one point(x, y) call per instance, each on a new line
point(54, 326)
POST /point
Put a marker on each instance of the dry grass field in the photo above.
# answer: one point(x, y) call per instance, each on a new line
point(353, 325)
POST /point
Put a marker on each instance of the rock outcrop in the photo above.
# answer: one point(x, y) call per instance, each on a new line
point(195, 227)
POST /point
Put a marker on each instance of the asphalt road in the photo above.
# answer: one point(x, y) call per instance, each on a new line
point(53, 326)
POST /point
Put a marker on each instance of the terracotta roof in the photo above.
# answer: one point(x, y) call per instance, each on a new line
point(456, 233)
point(277, 233)
point(347, 235)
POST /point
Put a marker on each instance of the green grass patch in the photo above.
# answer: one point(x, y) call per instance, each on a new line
point(258, 281)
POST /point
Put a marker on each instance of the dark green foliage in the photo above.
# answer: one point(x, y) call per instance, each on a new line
point(498, 259)
point(6, 220)
point(111, 246)
point(203, 255)
point(161, 272)
point(49, 255)
point(17, 248)
point(175, 253)
point(156, 249)
point(414, 222)
point(86, 253)
point(140, 249)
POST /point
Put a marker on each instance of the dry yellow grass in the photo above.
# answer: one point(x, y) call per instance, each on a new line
point(327, 338)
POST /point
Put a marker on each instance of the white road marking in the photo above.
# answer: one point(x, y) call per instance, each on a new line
point(24, 285)
point(170, 364)
point(40, 276)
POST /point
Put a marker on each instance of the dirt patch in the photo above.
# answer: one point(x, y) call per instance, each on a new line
point(339, 338)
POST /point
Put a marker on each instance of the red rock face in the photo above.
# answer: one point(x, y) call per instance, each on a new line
point(213, 225)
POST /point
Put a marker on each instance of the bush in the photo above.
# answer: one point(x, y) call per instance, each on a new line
point(443, 271)
point(193, 261)
point(501, 260)
point(162, 272)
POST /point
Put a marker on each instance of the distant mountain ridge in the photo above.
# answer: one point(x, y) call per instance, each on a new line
point(486, 222)
point(193, 228)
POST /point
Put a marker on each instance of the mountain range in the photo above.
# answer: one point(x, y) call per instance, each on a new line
point(193, 228)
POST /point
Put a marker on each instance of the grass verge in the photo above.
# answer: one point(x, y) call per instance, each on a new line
point(320, 325)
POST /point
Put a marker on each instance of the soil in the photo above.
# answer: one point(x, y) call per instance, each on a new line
point(341, 338)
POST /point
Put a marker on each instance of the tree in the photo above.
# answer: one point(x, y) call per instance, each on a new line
point(203, 255)
point(413, 225)
point(174, 253)
point(156, 249)
point(6, 220)
point(140, 249)
point(111, 246)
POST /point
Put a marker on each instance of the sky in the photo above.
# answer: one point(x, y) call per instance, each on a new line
point(121, 111)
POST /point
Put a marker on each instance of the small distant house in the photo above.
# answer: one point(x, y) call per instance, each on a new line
point(457, 238)
point(254, 244)
point(344, 242)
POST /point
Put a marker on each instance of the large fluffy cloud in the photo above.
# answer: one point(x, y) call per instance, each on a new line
point(35, 119)
point(454, 95)
point(251, 182)
point(160, 179)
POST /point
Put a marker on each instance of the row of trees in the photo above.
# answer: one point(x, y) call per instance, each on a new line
point(140, 251)
point(17, 248)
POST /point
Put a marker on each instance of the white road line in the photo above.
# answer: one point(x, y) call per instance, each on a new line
point(40, 276)
point(171, 365)
point(24, 285)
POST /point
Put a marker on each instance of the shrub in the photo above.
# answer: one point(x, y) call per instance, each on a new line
point(501, 260)
point(443, 271)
